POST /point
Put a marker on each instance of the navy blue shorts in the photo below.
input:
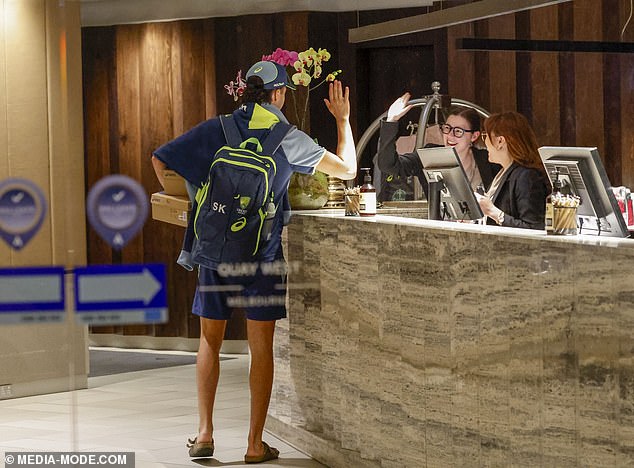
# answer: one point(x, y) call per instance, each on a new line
point(257, 288)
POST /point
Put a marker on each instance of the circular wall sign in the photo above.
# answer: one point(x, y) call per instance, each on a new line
point(22, 211)
point(117, 207)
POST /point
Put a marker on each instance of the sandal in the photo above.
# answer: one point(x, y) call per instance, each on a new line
point(270, 453)
point(200, 449)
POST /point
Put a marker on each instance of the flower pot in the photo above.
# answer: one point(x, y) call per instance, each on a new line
point(308, 192)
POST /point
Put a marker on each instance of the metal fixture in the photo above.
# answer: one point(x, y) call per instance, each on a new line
point(443, 18)
point(533, 45)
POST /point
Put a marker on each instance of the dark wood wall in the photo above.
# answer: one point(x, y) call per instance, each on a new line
point(145, 84)
point(572, 99)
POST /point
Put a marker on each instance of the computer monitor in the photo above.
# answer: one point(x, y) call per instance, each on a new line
point(581, 173)
point(450, 195)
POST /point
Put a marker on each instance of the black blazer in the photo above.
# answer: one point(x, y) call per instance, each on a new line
point(405, 165)
point(522, 194)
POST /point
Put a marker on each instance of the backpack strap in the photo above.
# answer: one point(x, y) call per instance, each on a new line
point(231, 131)
point(275, 137)
point(269, 145)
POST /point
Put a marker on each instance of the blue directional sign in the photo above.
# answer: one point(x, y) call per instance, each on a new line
point(120, 294)
point(32, 295)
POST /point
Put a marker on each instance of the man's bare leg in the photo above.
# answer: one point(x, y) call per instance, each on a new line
point(207, 373)
point(260, 335)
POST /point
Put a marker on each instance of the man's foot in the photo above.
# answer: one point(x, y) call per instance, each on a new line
point(200, 449)
point(270, 453)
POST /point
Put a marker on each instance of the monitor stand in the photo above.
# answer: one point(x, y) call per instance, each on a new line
point(434, 199)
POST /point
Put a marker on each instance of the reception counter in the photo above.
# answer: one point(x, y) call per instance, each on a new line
point(417, 343)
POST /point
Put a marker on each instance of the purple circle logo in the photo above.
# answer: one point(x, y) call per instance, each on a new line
point(22, 211)
point(117, 207)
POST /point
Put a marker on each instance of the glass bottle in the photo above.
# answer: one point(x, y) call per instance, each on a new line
point(367, 199)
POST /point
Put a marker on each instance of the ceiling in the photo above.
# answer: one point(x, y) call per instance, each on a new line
point(109, 12)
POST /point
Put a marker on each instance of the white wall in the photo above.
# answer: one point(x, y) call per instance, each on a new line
point(41, 139)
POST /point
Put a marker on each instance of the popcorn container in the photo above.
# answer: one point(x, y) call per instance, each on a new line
point(565, 220)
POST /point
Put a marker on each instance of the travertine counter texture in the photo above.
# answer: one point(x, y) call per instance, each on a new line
point(413, 343)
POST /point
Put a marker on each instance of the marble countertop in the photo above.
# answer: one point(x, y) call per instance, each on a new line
point(486, 230)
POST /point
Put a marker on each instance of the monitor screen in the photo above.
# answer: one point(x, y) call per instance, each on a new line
point(581, 173)
point(450, 195)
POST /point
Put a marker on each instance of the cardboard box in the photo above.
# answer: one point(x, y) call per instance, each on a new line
point(174, 184)
point(170, 209)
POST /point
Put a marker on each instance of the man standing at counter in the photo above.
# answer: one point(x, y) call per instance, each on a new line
point(258, 114)
point(517, 196)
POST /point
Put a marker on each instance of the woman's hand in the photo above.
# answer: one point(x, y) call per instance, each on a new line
point(399, 108)
point(487, 206)
point(338, 102)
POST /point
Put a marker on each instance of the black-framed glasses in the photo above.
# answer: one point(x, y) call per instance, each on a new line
point(457, 131)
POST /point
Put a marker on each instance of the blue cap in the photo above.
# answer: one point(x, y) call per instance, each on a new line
point(273, 74)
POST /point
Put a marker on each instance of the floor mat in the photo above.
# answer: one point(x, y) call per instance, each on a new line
point(108, 362)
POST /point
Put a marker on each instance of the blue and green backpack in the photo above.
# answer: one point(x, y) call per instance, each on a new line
point(235, 208)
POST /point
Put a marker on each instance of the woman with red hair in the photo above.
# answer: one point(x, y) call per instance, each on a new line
point(517, 196)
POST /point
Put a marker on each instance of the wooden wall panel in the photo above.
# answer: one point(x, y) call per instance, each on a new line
point(502, 66)
point(567, 117)
point(626, 121)
point(323, 32)
point(347, 59)
point(545, 78)
point(295, 37)
point(174, 51)
point(161, 120)
point(128, 135)
point(130, 101)
point(589, 77)
point(523, 67)
point(482, 77)
point(128, 119)
point(98, 70)
point(462, 65)
point(209, 47)
point(145, 84)
point(192, 68)
point(243, 40)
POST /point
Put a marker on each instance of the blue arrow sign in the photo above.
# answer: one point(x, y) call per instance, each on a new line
point(121, 294)
point(32, 295)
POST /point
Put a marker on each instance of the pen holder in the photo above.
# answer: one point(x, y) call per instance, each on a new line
point(565, 220)
point(352, 204)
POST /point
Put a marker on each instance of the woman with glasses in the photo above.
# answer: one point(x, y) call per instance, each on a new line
point(517, 196)
point(461, 130)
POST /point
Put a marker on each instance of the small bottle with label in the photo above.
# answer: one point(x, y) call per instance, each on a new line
point(550, 211)
point(367, 199)
point(267, 226)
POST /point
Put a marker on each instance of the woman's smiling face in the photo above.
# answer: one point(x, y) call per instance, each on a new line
point(463, 143)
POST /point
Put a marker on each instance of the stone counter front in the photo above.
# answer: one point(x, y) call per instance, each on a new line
point(415, 343)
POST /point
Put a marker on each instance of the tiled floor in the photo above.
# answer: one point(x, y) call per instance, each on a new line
point(148, 412)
